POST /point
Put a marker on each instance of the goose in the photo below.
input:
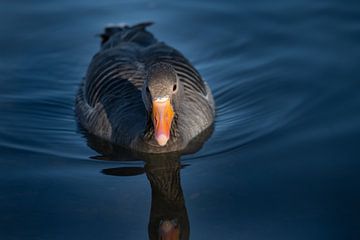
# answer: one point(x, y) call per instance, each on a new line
point(141, 94)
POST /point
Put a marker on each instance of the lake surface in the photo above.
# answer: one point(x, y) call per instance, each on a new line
point(282, 163)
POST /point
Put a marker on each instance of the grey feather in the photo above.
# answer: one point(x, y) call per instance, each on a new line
point(110, 105)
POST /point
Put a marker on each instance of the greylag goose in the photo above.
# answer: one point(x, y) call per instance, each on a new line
point(142, 94)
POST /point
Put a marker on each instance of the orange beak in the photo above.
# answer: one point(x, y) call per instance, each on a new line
point(162, 116)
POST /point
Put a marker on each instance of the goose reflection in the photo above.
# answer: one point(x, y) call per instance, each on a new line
point(168, 215)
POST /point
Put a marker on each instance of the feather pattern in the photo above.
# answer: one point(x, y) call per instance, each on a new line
point(109, 101)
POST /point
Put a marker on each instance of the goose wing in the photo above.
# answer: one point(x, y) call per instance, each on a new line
point(109, 100)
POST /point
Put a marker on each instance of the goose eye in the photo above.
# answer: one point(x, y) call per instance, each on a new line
point(174, 87)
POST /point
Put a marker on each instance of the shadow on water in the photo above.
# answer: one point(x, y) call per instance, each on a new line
point(168, 214)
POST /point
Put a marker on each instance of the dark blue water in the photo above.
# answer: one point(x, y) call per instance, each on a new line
point(282, 163)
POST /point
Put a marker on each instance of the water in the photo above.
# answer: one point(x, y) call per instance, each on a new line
point(282, 162)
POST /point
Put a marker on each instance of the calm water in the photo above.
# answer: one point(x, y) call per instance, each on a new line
point(282, 163)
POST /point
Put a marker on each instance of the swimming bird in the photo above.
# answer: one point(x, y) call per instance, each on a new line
point(142, 94)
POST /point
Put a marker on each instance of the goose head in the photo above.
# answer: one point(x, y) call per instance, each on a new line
point(161, 94)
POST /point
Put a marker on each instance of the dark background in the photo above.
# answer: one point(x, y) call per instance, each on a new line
point(282, 163)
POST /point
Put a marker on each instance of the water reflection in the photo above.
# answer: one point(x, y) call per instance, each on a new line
point(168, 215)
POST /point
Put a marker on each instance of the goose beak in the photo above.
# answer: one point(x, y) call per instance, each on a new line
point(162, 116)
